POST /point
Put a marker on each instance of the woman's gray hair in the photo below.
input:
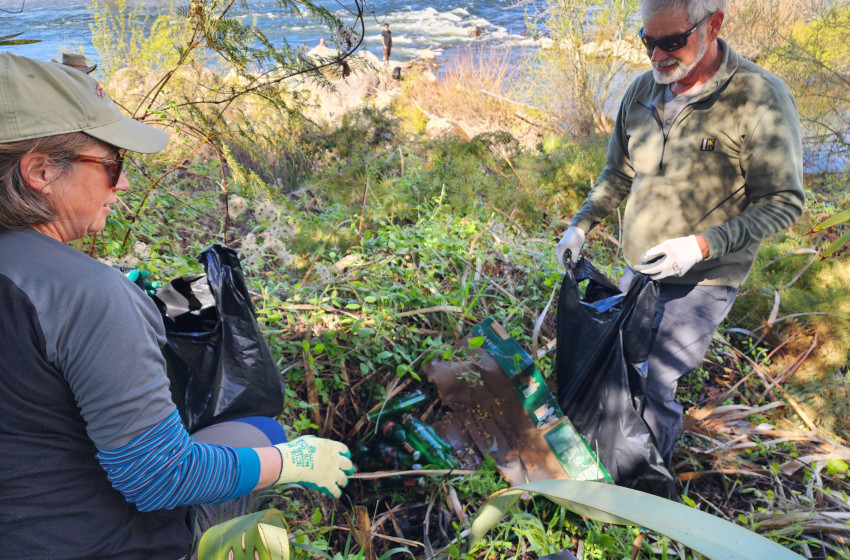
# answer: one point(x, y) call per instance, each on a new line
point(21, 206)
point(696, 9)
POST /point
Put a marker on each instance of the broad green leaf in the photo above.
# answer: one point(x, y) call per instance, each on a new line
point(702, 532)
point(476, 342)
point(256, 536)
point(836, 466)
point(841, 217)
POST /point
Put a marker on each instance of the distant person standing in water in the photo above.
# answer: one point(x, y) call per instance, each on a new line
point(387, 42)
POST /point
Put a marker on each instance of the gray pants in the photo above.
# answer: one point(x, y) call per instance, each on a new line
point(234, 434)
point(685, 322)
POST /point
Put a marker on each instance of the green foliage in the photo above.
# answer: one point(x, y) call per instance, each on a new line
point(484, 482)
point(218, 85)
point(125, 37)
point(813, 57)
point(590, 52)
point(842, 240)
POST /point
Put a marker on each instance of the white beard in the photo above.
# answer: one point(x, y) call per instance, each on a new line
point(681, 71)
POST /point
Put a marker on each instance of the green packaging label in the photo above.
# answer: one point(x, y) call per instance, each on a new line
point(507, 352)
point(574, 454)
point(537, 399)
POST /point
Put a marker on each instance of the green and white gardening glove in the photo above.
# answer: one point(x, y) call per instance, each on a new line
point(317, 463)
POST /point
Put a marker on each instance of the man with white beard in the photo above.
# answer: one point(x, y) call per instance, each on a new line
point(707, 150)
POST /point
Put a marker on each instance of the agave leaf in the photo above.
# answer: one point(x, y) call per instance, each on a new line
point(256, 536)
point(842, 216)
point(837, 244)
point(702, 532)
point(12, 36)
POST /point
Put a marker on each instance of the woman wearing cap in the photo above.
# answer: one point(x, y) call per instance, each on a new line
point(95, 461)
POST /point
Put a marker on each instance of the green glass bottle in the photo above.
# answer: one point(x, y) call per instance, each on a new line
point(361, 456)
point(394, 432)
point(398, 458)
point(440, 441)
point(420, 438)
point(399, 405)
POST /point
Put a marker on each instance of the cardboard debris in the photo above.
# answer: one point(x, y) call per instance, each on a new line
point(501, 407)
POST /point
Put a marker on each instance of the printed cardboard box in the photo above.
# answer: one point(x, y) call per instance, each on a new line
point(500, 406)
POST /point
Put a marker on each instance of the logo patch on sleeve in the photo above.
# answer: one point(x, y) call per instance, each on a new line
point(707, 145)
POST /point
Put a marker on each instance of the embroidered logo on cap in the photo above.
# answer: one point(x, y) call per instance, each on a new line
point(707, 145)
point(99, 91)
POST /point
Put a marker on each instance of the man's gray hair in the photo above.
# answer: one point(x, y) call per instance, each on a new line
point(696, 9)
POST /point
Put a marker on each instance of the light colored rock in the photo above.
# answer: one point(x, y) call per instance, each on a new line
point(347, 94)
point(437, 127)
point(383, 99)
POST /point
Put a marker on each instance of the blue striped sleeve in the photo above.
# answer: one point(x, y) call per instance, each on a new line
point(164, 468)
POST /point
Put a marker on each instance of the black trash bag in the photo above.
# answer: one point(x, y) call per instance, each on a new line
point(603, 344)
point(219, 364)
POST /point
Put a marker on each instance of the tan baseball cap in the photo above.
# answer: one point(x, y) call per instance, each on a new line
point(40, 99)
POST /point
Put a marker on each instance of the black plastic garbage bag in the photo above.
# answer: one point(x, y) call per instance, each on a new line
point(603, 340)
point(219, 364)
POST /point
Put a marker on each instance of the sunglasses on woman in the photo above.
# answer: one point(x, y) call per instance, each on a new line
point(113, 166)
point(671, 43)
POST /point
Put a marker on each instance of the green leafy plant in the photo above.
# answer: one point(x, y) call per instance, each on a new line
point(842, 240)
point(257, 536)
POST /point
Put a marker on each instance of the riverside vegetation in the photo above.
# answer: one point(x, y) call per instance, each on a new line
point(372, 243)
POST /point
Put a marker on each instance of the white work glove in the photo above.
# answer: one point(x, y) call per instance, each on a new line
point(674, 257)
point(572, 240)
point(317, 463)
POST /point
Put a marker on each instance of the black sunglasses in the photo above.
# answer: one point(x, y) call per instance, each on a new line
point(113, 166)
point(671, 42)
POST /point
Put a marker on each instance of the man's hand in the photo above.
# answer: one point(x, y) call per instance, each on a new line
point(674, 257)
point(317, 463)
point(573, 240)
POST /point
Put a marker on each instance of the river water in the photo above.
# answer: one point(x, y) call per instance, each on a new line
point(441, 25)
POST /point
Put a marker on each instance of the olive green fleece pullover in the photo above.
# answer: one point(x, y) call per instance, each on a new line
point(730, 169)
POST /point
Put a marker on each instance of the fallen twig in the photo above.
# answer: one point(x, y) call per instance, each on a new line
point(385, 474)
point(539, 323)
point(435, 309)
point(399, 540)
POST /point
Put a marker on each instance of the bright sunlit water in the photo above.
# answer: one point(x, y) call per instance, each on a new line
point(441, 25)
